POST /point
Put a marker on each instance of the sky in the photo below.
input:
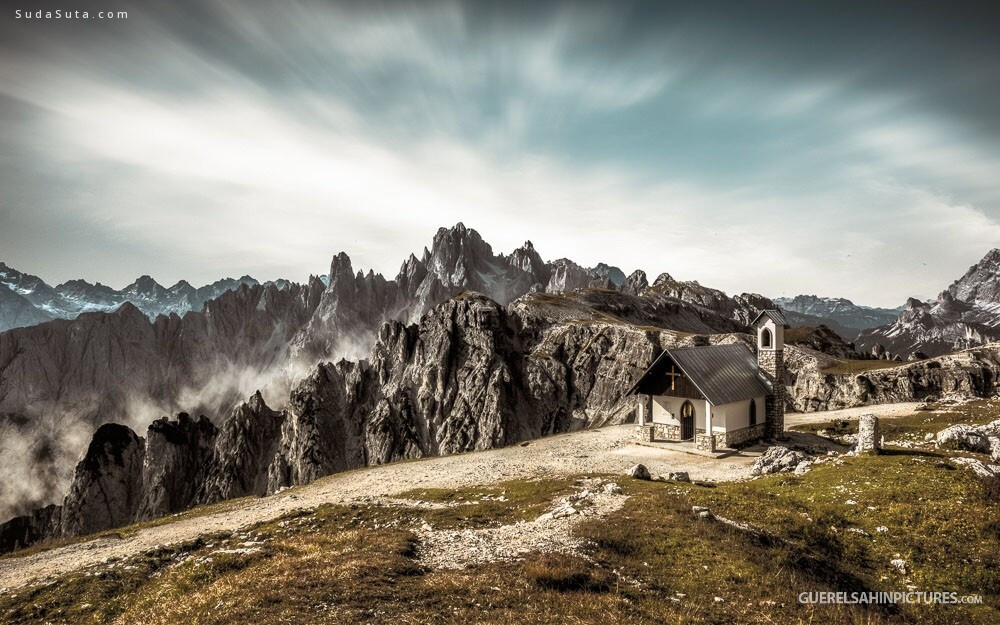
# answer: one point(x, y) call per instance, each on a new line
point(837, 149)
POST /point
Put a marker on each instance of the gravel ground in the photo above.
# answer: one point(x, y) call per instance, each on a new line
point(607, 450)
point(550, 532)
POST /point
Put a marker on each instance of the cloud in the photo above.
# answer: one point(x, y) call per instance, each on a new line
point(233, 139)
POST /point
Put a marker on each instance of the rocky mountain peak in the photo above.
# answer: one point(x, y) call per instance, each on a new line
point(980, 286)
point(528, 260)
point(635, 283)
point(913, 303)
point(341, 269)
point(144, 285)
point(663, 278)
point(614, 274)
point(128, 310)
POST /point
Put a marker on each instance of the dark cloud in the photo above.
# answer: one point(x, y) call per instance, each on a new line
point(717, 126)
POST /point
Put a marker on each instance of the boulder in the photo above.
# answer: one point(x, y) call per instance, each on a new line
point(777, 460)
point(994, 448)
point(639, 472)
point(964, 437)
point(679, 476)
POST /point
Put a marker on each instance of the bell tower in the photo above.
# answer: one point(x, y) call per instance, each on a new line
point(770, 325)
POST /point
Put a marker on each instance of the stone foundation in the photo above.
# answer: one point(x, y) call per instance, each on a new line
point(659, 432)
point(645, 433)
point(734, 438)
point(704, 442)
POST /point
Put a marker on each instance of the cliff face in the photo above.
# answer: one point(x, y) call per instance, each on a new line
point(812, 386)
point(107, 485)
point(245, 443)
point(177, 455)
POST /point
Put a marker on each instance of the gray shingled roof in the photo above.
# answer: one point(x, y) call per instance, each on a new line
point(723, 373)
point(776, 316)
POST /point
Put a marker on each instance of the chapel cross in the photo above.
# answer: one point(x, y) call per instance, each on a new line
point(673, 375)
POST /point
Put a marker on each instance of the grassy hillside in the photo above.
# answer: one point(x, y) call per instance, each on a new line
point(652, 561)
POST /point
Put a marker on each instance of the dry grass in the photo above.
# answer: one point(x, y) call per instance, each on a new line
point(651, 562)
point(931, 421)
point(129, 530)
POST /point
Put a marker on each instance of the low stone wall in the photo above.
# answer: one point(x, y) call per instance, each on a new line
point(704, 442)
point(659, 432)
point(666, 432)
point(741, 436)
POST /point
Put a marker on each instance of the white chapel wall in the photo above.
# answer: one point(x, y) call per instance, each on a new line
point(668, 409)
point(736, 415)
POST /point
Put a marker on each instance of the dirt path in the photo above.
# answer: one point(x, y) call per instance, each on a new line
point(879, 410)
point(606, 450)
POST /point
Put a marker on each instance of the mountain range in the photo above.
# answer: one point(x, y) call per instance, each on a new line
point(964, 315)
point(27, 299)
point(61, 379)
point(839, 314)
point(464, 349)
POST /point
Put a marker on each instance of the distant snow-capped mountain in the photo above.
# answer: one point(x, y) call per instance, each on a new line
point(26, 299)
point(841, 315)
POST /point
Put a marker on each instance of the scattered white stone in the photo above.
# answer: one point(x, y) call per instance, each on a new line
point(777, 460)
point(701, 512)
point(988, 472)
point(719, 599)
point(899, 564)
point(881, 529)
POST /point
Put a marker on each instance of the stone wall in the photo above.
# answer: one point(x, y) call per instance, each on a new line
point(741, 436)
point(667, 432)
point(659, 432)
point(772, 364)
point(704, 442)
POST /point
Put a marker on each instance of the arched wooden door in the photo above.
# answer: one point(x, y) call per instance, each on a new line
point(687, 421)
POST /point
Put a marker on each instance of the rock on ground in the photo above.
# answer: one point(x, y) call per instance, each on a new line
point(777, 460)
point(964, 437)
point(639, 472)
